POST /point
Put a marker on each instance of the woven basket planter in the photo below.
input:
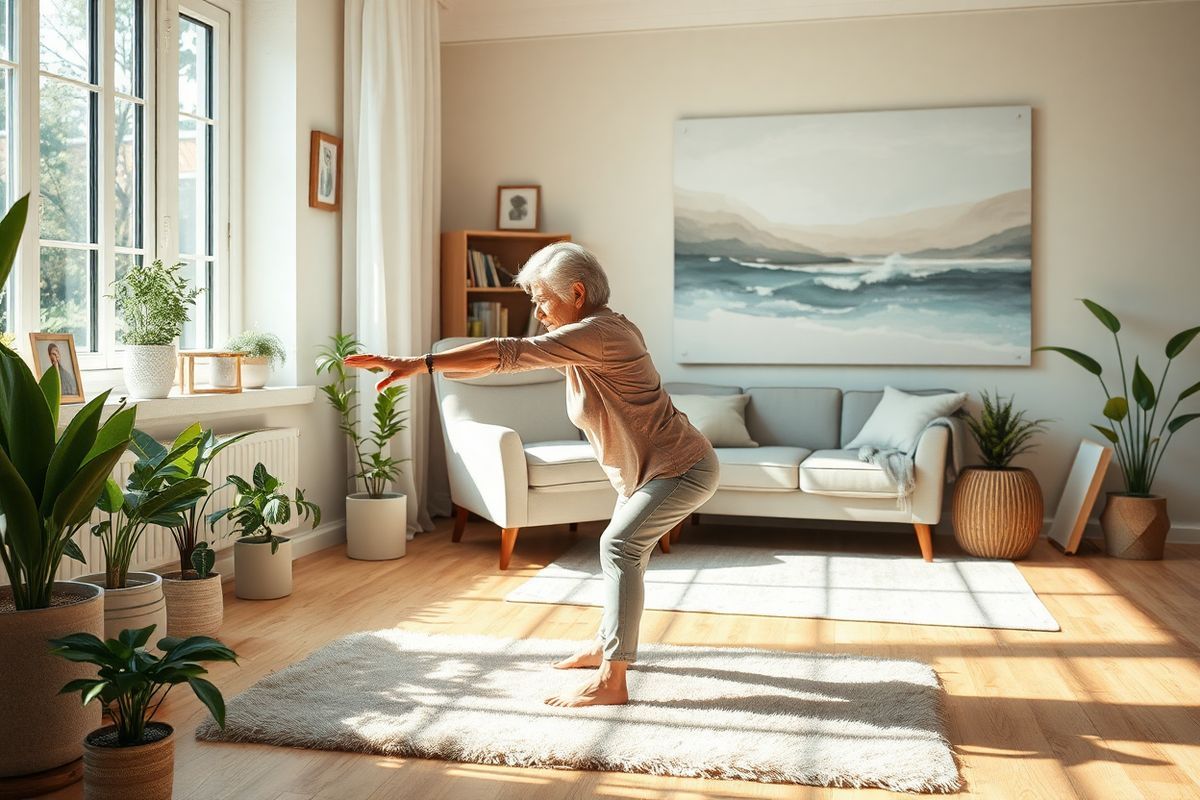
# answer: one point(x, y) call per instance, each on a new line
point(1135, 527)
point(144, 771)
point(194, 607)
point(997, 512)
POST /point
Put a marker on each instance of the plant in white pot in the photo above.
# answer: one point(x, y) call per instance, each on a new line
point(48, 486)
point(376, 519)
point(262, 561)
point(261, 353)
point(1135, 521)
point(135, 756)
point(152, 308)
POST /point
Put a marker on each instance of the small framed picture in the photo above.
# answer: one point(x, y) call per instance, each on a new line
point(518, 208)
point(58, 350)
point(325, 172)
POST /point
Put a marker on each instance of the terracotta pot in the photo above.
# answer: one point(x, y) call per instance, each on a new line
point(997, 512)
point(376, 528)
point(144, 771)
point(139, 604)
point(1135, 527)
point(259, 574)
point(195, 607)
point(41, 729)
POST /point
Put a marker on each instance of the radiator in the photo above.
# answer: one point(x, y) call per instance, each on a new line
point(277, 448)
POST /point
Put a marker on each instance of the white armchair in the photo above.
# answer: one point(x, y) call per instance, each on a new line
point(513, 456)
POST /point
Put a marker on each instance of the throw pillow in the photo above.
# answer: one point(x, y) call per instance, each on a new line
point(720, 417)
point(900, 417)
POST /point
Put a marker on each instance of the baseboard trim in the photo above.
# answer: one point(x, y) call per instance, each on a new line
point(330, 534)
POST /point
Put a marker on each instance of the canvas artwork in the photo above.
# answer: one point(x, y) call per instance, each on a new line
point(893, 237)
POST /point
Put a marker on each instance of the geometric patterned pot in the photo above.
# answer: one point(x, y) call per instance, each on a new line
point(997, 513)
point(149, 370)
point(1135, 527)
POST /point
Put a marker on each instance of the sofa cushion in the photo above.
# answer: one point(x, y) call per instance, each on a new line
point(721, 418)
point(857, 406)
point(794, 416)
point(562, 462)
point(839, 473)
point(760, 467)
point(900, 417)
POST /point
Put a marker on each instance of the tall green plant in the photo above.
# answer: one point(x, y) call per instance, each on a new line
point(1001, 433)
point(152, 303)
point(48, 484)
point(1138, 447)
point(375, 469)
point(261, 505)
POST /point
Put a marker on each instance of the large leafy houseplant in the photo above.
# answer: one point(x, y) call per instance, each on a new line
point(1138, 446)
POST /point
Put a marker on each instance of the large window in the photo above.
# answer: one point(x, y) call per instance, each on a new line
point(124, 146)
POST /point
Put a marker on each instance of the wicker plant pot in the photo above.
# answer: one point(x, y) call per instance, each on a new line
point(144, 771)
point(139, 604)
point(194, 607)
point(997, 512)
point(1135, 527)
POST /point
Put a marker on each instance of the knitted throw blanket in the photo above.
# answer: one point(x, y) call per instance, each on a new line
point(900, 467)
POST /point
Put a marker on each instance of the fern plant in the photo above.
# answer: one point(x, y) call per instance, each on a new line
point(375, 468)
point(256, 344)
point(152, 303)
point(1001, 433)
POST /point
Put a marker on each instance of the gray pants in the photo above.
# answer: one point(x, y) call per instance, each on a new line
point(638, 522)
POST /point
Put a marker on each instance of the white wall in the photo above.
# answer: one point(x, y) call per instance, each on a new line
point(1116, 172)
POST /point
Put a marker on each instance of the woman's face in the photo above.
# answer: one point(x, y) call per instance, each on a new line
point(552, 310)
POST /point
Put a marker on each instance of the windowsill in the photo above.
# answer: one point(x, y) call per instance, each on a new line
point(194, 406)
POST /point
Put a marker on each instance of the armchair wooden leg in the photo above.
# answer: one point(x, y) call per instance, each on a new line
point(925, 539)
point(460, 523)
point(508, 539)
point(574, 526)
point(664, 542)
point(676, 532)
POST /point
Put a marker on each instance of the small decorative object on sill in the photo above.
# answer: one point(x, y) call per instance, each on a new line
point(187, 371)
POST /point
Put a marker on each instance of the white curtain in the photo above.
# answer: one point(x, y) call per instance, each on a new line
point(391, 201)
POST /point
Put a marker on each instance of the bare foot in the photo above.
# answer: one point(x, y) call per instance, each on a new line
point(606, 688)
point(589, 656)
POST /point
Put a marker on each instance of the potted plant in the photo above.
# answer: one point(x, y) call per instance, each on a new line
point(157, 490)
point(195, 605)
point(376, 519)
point(152, 306)
point(48, 486)
point(261, 353)
point(134, 756)
point(997, 508)
point(1135, 521)
point(262, 561)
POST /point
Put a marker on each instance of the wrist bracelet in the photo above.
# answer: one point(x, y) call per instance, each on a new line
point(429, 362)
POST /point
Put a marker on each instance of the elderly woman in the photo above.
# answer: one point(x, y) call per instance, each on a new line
point(662, 468)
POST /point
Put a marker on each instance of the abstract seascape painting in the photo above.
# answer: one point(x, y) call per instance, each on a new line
point(892, 237)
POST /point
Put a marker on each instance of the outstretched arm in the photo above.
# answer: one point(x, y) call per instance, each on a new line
point(469, 360)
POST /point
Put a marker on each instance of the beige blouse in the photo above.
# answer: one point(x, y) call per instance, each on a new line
point(615, 396)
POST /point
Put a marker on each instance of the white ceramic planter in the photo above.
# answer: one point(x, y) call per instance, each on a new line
point(149, 370)
point(259, 574)
point(376, 529)
point(139, 604)
point(255, 373)
point(194, 607)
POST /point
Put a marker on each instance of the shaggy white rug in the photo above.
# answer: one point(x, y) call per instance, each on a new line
point(965, 592)
point(704, 712)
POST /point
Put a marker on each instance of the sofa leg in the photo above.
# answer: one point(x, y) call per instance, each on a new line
point(508, 538)
point(664, 542)
point(573, 527)
point(925, 539)
point(460, 523)
point(676, 532)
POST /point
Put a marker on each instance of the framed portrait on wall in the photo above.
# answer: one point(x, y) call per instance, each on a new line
point(325, 172)
point(518, 208)
point(58, 350)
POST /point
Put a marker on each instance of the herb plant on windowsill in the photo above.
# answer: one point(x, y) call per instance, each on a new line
point(261, 353)
point(152, 308)
point(376, 520)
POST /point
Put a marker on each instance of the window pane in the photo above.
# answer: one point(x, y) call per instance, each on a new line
point(64, 38)
point(66, 293)
point(123, 261)
point(7, 117)
point(127, 43)
point(128, 198)
point(65, 162)
point(194, 182)
point(7, 28)
point(194, 52)
point(189, 340)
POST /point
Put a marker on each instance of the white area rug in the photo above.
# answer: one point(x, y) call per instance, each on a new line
point(964, 592)
point(703, 712)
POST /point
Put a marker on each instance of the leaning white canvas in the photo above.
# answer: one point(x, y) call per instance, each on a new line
point(1079, 495)
point(892, 237)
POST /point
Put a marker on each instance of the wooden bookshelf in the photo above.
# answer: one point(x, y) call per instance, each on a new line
point(511, 249)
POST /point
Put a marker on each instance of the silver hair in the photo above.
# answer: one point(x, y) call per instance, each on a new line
point(558, 266)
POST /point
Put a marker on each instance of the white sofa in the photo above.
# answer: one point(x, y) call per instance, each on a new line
point(515, 458)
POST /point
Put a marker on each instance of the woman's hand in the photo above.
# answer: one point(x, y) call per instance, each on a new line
point(398, 369)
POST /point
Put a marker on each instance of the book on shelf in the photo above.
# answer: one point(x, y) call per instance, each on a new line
point(487, 319)
point(484, 271)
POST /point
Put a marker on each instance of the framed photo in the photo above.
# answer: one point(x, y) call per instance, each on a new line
point(325, 172)
point(58, 349)
point(1079, 495)
point(518, 208)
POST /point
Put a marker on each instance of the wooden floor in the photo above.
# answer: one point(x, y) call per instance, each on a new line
point(1107, 708)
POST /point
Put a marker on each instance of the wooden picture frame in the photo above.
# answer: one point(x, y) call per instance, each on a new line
point(325, 171)
point(49, 348)
point(1079, 495)
point(518, 208)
